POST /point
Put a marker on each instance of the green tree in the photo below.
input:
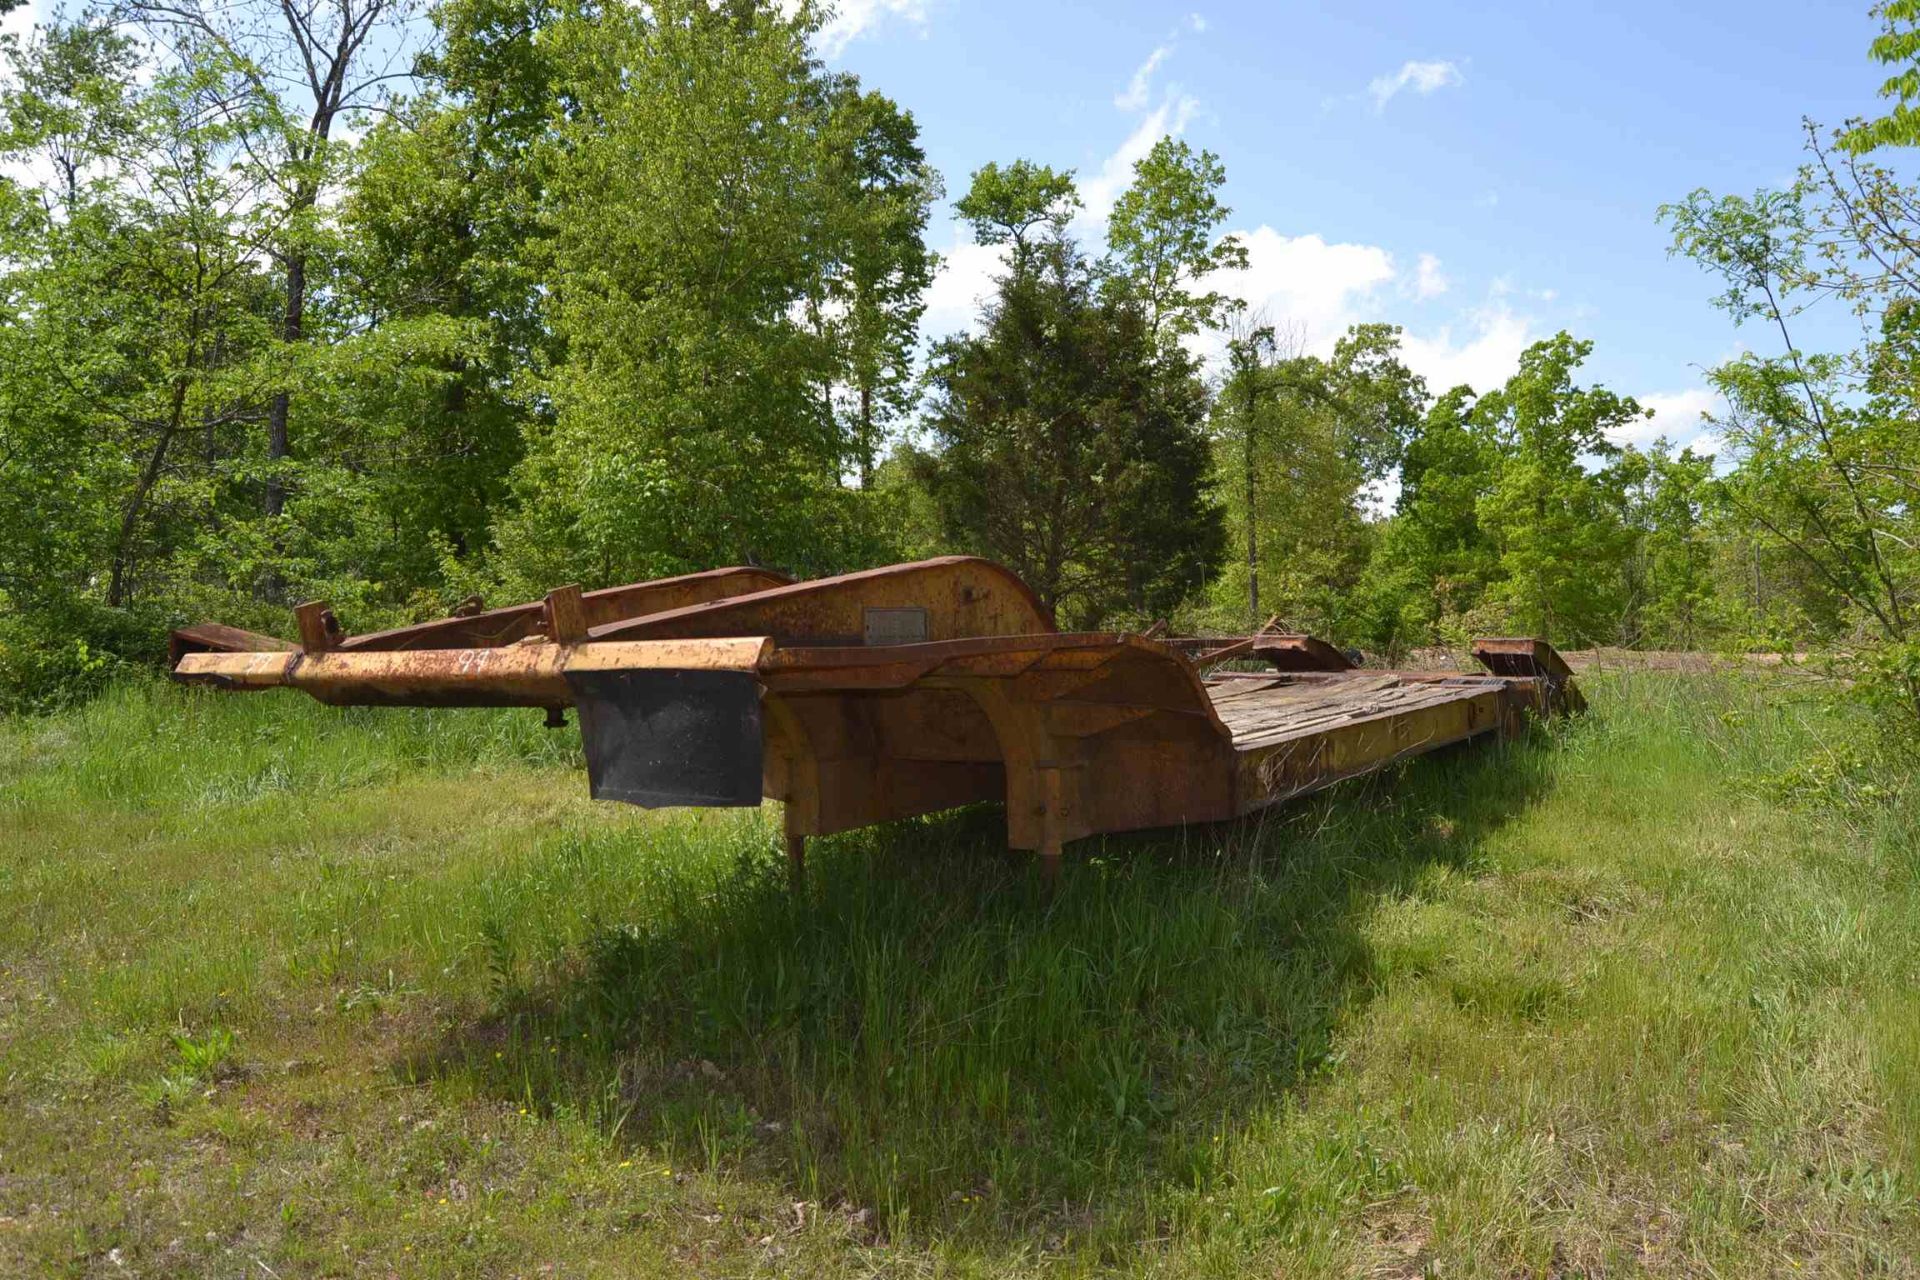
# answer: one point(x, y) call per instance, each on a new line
point(878, 292)
point(1897, 46)
point(296, 71)
point(135, 296)
point(697, 217)
point(1069, 446)
point(1162, 242)
point(438, 368)
point(1024, 205)
point(1825, 462)
point(1514, 513)
point(1555, 512)
point(1304, 441)
point(1826, 465)
point(1241, 414)
point(70, 103)
point(1670, 577)
point(439, 281)
point(131, 308)
point(1433, 561)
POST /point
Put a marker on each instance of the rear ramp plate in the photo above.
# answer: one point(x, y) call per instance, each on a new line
point(667, 738)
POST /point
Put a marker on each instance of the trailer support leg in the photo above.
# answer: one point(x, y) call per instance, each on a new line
point(797, 859)
point(1050, 864)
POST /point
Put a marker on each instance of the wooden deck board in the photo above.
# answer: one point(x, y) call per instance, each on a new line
point(1262, 713)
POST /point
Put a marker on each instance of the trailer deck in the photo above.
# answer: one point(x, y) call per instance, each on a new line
point(915, 688)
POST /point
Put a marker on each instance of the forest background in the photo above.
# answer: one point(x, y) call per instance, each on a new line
point(395, 306)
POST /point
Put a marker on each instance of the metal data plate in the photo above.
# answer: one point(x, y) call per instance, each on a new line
point(664, 738)
point(894, 626)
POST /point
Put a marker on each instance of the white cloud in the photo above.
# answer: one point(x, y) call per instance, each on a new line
point(1313, 289)
point(1197, 23)
point(1308, 289)
point(1429, 281)
point(1419, 77)
point(1134, 96)
point(1677, 416)
point(1116, 173)
point(966, 275)
point(20, 21)
point(855, 18)
point(1482, 349)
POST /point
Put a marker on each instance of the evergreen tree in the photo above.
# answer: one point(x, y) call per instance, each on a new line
point(1069, 445)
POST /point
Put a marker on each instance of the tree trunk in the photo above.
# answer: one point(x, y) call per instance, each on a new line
point(290, 326)
point(208, 444)
point(130, 518)
point(866, 437)
point(1253, 537)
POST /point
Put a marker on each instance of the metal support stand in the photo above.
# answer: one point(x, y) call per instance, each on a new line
point(1050, 860)
point(797, 860)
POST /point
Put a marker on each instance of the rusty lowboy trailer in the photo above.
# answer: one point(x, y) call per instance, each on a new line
point(902, 691)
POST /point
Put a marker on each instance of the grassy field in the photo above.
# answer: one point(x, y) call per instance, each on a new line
point(287, 991)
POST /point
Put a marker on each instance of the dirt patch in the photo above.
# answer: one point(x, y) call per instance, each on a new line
point(1683, 660)
point(1611, 659)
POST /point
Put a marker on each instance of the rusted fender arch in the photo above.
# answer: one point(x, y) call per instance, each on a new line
point(1078, 734)
point(924, 601)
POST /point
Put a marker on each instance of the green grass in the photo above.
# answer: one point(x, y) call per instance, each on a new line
point(290, 991)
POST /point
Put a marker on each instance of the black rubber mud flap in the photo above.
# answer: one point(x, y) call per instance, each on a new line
point(664, 738)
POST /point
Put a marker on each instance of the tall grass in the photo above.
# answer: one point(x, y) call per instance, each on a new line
point(149, 746)
point(1635, 994)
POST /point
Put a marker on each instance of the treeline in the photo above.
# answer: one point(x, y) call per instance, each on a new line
point(328, 300)
point(291, 308)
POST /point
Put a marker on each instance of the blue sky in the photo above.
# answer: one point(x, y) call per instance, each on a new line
point(1483, 175)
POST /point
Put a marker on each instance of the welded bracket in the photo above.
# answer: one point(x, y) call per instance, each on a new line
point(1528, 658)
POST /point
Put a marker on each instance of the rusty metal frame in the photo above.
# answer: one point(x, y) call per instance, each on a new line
point(1078, 734)
point(473, 626)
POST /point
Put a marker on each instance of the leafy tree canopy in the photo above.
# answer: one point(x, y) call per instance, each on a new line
point(1163, 242)
point(1018, 205)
